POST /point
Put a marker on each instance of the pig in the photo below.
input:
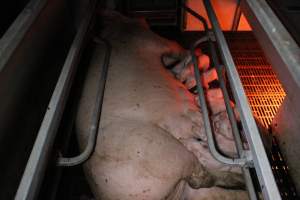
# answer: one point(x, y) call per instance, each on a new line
point(181, 62)
point(147, 117)
point(182, 67)
point(215, 102)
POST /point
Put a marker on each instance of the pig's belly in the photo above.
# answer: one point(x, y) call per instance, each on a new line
point(134, 160)
point(137, 156)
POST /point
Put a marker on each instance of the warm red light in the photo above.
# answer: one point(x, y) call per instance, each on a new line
point(263, 89)
point(224, 10)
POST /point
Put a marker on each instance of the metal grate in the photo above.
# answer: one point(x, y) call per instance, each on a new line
point(265, 94)
point(263, 89)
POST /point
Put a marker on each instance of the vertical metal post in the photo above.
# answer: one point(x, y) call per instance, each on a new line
point(283, 53)
point(237, 16)
point(233, 123)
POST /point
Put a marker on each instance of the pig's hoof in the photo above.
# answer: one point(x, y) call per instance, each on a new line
point(197, 182)
point(229, 180)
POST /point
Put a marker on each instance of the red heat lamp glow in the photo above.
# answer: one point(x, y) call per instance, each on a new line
point(263, 89)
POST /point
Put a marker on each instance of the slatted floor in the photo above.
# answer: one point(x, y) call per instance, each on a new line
point(265, 94)
point(263, 89)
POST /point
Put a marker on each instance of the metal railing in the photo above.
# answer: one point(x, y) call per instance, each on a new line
point(256, 156)
point(36, 165)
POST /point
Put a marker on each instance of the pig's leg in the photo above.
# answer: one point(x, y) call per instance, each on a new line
point(222, 125)
point(216, 102)
point(209, 178)
point(214, 94)
point(190, 83)
point(229, 180)
point(190, 131)
point(182, 64)
point(170, 59)
point(188, 70)
point(214, 193)
point(207, 77)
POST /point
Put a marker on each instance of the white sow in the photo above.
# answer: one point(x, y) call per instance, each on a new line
point(147, 116)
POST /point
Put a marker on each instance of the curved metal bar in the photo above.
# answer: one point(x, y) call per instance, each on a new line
point(94, 128)
point(210, 138)
point(262, 166)
point(245, 170)
point(202, 102)
point(199, 17)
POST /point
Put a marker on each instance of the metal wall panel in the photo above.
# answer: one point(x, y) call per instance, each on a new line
point(27, 79)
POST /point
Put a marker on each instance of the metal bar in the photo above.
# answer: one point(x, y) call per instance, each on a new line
point(14, 35)
point(206, 38)
point(231, 116)
point(210, 138)
point(230, 112)
point(237, 16)
point(261, 162)
point(211, 144)
point(94, 128)
point(35, 168)
point(199, 17)
point(245, 170)
point(212, 147)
